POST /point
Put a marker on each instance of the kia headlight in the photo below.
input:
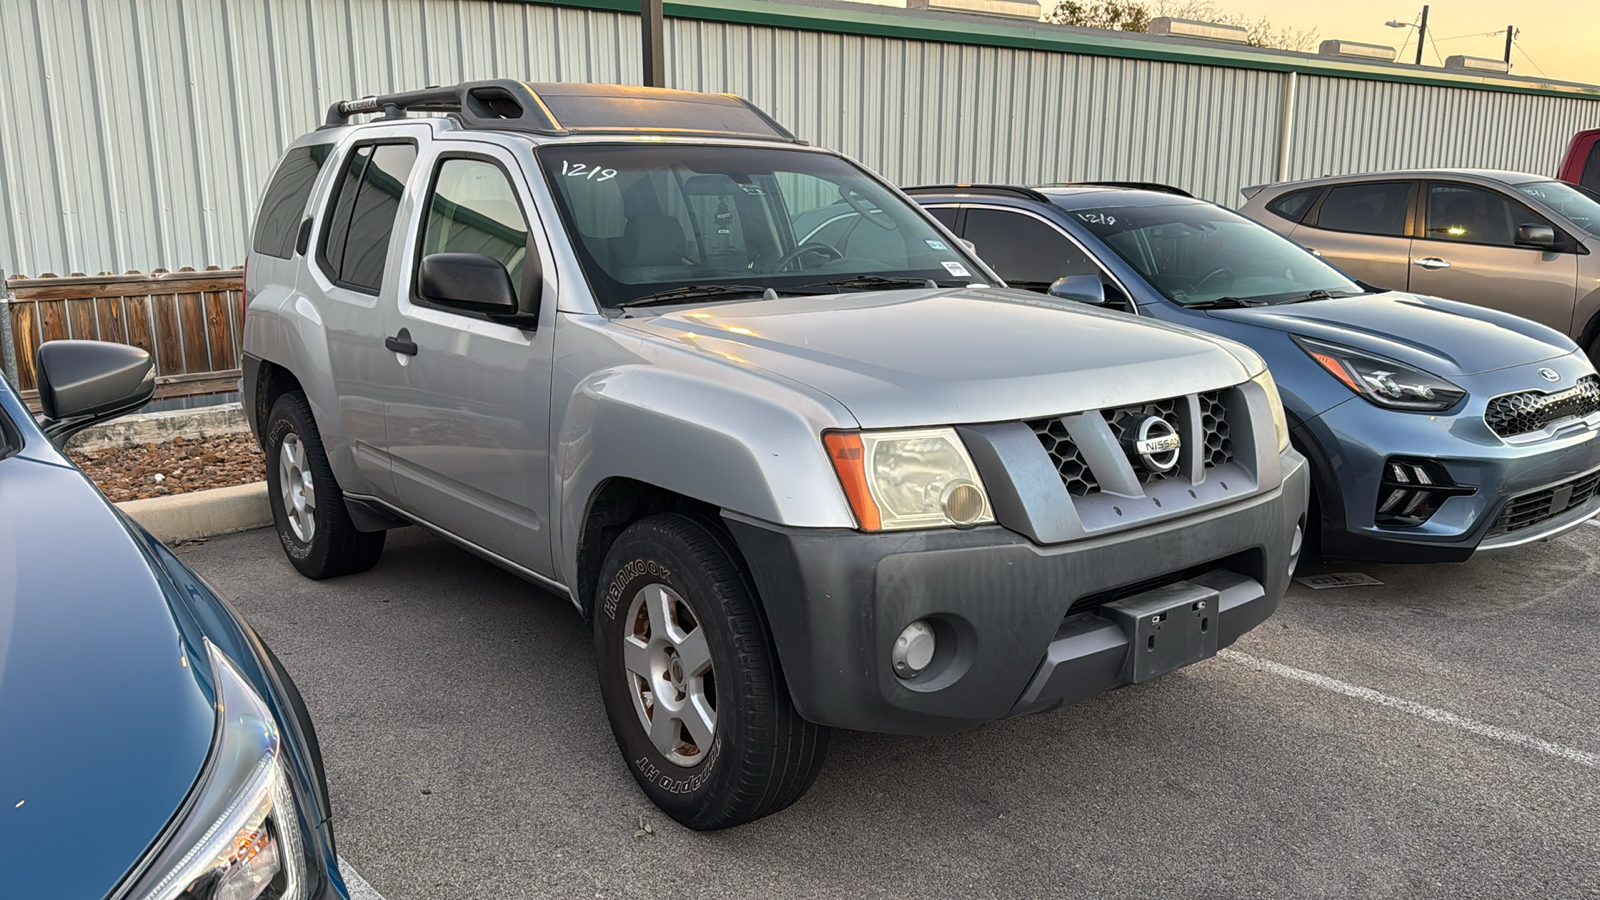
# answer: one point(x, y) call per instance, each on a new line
point(1383, 382)
point(1280, 422)
point(239, 837)
point(908, 479)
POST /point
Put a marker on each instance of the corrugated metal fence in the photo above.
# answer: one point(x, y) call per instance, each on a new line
point(138, 133)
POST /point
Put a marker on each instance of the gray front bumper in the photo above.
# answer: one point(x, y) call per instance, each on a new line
point(836, 600)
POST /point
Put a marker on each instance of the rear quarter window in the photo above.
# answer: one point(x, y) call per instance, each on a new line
point(1294, 205)
point(278, 220)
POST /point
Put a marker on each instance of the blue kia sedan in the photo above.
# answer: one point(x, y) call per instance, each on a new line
point(1435, 429)
point(151, 746)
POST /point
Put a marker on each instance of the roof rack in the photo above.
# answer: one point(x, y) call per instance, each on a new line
point(559, 109)
point(1134, 185)
point(1002, 189)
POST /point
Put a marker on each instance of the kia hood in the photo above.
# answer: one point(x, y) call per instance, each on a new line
point(963, 355)
point(1440, 336)
point(104, 724)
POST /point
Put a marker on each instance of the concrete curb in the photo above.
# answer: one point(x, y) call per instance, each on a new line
point(156, 427)
point(198, 514)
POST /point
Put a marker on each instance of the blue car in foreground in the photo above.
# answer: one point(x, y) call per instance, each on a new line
point(151, 746)
point(1435, 429)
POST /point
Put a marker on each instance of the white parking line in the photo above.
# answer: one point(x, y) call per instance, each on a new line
point(1581, 757)
point(359, 889)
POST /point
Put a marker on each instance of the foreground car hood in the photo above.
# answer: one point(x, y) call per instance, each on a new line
point(103, 724)
point(934, 357)
point(1441, 336)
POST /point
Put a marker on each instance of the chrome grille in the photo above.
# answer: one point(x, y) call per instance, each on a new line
point(1536, 507)
point(1512, 414)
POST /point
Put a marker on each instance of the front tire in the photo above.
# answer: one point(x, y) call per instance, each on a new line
point(690, 678)
point(307, 505)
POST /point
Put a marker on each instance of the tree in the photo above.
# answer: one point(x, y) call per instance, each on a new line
point(1135, 15)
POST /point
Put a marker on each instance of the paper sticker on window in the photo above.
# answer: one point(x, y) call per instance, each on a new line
point(935, 244)
point(956, 269)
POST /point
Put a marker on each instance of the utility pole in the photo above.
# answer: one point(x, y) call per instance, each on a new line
point(652, 34)
point(1511, 32)
point(1422, 34)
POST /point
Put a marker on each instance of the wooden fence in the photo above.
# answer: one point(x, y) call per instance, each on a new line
point(189, 321)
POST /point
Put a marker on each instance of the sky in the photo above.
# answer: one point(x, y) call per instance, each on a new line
point(1560, 40)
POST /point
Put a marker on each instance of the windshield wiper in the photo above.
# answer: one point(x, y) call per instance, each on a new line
point(1318, 294)
point(1226, 303)
point(692, 292)
point(873, 282)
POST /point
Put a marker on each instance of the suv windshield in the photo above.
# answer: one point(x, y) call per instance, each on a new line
point(653, 218)
point(1581, 207)
point(1198, 253)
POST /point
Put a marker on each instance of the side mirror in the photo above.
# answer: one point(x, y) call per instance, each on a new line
point(1082, 288)
point(1541, 236)
point(470, 282)
point(971, 247)
point(85, 382)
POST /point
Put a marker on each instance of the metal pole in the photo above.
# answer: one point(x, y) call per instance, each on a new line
point(652, 33)
point(1422, 34)
point(1286, 126)
point(8, 346)
point(1511, 32)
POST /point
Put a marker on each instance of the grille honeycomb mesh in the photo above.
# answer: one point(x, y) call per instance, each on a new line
point(1513, 414)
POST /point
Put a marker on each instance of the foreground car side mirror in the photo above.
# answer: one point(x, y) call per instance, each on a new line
point(1082, 288)
point(82, 383)
point(1541, 236)
point(469, 282)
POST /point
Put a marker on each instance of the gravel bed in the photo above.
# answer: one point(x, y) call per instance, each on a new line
point(173, 467)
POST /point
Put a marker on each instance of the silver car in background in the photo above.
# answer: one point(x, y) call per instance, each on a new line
point(1511, 241)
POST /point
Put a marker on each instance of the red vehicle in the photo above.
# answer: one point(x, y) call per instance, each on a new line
point(1582, 163)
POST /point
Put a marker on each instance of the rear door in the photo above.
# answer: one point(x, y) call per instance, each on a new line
point(1364, 229)
point(469, 421)
point(1468, 252)
point(348, 263)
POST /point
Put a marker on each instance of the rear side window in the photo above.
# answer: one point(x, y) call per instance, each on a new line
point(1026, 252)
point(1293, 205)
point(1373, 208)
point(361, 222)
point(278, 220)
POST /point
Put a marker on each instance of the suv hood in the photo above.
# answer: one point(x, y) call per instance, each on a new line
point(909, 358)
point(1441, 336)
point(104, 725)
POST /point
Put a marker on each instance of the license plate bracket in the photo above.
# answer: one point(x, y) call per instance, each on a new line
point(1168, 628)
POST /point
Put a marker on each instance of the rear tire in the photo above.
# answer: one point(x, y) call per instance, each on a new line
point(690, 678)
point(307, 505)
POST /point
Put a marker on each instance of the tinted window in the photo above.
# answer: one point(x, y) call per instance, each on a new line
point(1026, 252)
point(1591, 170)
point(1472, 215)
point(474, 209)
point(946, 216)
point(357, 239)
point(1293, 205)
point(1376, 208)
point(278, 220)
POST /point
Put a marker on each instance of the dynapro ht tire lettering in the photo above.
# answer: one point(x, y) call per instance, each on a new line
point(307, 506)
point(691, 681)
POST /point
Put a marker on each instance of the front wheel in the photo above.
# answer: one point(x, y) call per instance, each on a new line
point(690, 678)
point(307, 505)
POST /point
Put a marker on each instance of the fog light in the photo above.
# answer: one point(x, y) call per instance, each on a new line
point(963, 503)
point(913, 649)
point(1296, 541)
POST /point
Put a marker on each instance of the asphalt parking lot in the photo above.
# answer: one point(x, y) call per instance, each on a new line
point(1434, 736)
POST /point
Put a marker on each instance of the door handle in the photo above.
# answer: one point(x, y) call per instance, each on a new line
point(1431, 262)
point(402, 343)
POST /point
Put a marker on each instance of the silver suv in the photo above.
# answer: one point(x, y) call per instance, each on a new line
point(797, 477)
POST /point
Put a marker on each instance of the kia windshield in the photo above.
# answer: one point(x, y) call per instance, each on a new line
point(1199, 255)
point(660, 223)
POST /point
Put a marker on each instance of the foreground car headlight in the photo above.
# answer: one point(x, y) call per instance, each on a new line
point(908, 479)
point(1280, 422)
point(1383, 382)
point(239, 838)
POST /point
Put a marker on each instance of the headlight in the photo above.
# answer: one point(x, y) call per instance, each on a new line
point(1383, 382)
point(1280, 422)
point(240, 836)
point(908, 479)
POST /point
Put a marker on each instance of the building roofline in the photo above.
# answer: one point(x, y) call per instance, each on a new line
point(956, 28)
